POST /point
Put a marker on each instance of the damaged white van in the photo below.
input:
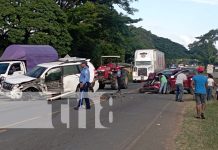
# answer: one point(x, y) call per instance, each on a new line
point(54, 80)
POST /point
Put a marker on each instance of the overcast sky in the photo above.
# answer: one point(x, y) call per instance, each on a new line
point(178, 20)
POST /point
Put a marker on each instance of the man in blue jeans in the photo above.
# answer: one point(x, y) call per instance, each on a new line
point(179, 86)
point(84, 85)
point(199, 84)
point(163, 84)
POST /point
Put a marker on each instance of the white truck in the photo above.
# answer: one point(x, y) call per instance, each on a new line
point(147, 61)
point(18, 59)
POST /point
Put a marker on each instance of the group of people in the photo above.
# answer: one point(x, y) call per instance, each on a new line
point(201, 85)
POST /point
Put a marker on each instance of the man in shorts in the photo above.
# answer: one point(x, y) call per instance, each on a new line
point(199, 85)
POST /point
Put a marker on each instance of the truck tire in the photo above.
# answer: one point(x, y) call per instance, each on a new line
point(101, 85)
point(169, 90)
point(114, 85)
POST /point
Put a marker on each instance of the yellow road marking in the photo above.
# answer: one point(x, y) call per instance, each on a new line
point(3, 130)
point(20, 122)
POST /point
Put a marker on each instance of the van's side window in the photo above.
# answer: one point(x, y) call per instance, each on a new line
point(70, 70)
point(53, 75)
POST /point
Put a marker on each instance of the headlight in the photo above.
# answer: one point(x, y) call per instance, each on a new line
point(2, 79)
point(17, 86)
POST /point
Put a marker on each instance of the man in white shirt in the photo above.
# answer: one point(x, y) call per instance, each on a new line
point(179, 86)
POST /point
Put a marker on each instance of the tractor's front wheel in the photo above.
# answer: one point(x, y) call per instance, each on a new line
point(101, 85)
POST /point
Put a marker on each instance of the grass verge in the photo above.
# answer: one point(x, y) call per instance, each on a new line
point(198, 134)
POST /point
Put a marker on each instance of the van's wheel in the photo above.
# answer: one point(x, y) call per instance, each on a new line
point(31, 94)
point(114, 84)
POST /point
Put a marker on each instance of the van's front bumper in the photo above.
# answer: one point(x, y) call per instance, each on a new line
point(14, 94)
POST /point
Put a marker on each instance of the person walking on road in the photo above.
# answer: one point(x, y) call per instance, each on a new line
point(163, 84)
point(119, 78)
point(199, 85)
point(210, 87)
point(179, 86)
point(84, 86)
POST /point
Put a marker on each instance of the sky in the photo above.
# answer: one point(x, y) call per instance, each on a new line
point(179, 20)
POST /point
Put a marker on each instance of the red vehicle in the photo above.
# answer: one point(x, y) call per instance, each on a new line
point(189, 72)
point(107, 73)
point(153, 83)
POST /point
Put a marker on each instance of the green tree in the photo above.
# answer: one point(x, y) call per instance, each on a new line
point(124, 4)
point(98, 30)
point(204, 48)
point(34, 22)
point(138, 38)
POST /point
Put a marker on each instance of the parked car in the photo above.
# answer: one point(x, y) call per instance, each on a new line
point(52, 79)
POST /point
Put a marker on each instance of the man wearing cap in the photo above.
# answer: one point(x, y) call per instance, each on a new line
point(84, 85)
point(199, 84)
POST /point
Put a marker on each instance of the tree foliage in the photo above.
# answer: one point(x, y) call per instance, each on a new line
point(124, 4)
point(204, 48)
point(98, 30)
point(34, 22)
point(83, 28)
point(143, 39)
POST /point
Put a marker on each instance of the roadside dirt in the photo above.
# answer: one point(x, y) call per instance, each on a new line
point(171, 140)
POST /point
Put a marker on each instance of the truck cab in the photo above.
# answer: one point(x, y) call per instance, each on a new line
point(9, 68)
point(147, 61)
point(19, 59)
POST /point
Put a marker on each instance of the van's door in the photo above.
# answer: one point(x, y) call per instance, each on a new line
point(53, 80)
point(16, 69)
point(71, 75)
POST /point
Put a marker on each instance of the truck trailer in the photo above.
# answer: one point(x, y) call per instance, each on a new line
point(147, 61)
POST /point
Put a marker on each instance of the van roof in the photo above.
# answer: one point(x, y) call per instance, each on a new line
point(57, 63)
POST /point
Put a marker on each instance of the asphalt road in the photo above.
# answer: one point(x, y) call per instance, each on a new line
point(129, 121)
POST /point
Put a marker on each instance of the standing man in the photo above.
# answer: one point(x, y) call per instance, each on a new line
point(199, 84)
point(84, 85)
point(163, 83)
point(119, 78)
point(179, 86)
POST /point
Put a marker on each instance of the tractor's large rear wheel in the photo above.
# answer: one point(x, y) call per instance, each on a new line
point(101, 85)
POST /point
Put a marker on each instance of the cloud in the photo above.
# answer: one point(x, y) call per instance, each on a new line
point(216, 45)
point(210, 2)
point(186, 40)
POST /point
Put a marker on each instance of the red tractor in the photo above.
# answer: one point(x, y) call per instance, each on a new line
point(107, 73)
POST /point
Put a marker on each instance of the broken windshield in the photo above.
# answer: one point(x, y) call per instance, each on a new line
point(36, 72)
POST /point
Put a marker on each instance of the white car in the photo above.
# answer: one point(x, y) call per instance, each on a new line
point(53, 79)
